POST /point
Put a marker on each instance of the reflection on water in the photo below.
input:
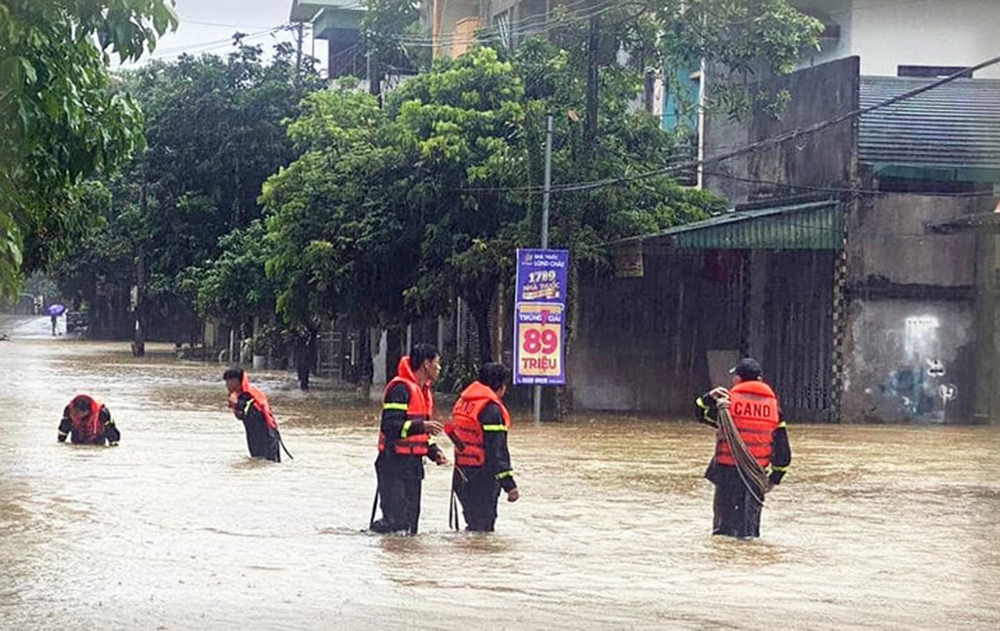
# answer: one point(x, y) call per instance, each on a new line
point(883, 527)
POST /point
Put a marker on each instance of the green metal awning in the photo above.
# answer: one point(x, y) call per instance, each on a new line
point(817, 225)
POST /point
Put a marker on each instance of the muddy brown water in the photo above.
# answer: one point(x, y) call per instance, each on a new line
point(876, 527)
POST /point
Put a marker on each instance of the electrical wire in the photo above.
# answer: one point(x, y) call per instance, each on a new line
point(795, 134)
point(532, 27)
point(845, 190)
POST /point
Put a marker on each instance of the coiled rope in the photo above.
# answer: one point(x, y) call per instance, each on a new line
point(754, 476)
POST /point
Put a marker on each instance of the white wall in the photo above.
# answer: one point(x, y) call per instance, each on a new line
point(890, 33)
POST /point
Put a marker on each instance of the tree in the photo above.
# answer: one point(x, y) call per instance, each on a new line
point(345, 239)
point(234, 287)
point(215, 132)
point(467, 118)
point(59, 123)
point(444, 181)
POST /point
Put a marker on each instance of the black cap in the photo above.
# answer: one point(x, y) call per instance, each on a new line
point(748, 369)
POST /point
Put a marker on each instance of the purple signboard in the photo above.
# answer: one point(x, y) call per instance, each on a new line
point(539, 317)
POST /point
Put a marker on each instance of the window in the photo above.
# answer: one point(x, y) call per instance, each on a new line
point(931, 72)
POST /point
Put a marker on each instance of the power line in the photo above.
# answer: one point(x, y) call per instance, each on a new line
point(752, 147)
point(211, 45)
point(495, 29)
point(220, 25)
point(843, 189)
point(531, 27)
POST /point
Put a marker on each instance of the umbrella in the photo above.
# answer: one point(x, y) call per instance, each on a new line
point(55, 310)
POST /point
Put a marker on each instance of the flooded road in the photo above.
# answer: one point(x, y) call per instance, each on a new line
point(875, 527)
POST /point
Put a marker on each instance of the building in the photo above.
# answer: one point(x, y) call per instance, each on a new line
point(913, 38)
point(336, 22)
point(860, 263)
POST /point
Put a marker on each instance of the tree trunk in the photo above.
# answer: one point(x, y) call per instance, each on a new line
point(480, 313)
point(139, 336)
point(365, 369)
point(394, 350)
point(305, 357)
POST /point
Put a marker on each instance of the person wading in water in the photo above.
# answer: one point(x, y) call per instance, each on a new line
point(250, 405)
point(404, 439)
point(479, 427)
point(751, 439)
point(86, 421)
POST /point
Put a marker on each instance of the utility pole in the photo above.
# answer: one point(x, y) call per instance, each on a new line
point(374, 77)
point(593, 77)
point(546, 194)
point(298, 56)
point(139, 340)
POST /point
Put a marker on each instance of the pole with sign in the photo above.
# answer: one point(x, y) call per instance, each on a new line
point(539, 318)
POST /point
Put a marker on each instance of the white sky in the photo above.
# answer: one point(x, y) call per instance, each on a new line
point(208, 25)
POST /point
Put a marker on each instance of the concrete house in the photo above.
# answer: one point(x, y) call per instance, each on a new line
point(859, 263)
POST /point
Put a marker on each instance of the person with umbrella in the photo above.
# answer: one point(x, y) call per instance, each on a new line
point(54, 312)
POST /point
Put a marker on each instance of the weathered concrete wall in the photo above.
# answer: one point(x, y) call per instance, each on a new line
point(888, 242)
point(910, 361)
point(912, 340)
point(827, 158)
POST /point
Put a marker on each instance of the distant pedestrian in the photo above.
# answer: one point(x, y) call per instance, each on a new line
point(55, 323)
point(86, 421)
point(404, 439)
point(250, 405)
point(479, 428)
point(762, 438)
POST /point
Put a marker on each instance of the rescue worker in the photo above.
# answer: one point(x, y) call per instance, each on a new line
point(756, 415)
point(250, 405)
point(404, 439)
point(86, 421)
point(479, 428)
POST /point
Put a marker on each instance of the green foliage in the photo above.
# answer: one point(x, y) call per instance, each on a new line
point(215, 132)
point(59, 122)
point(386, 27)
point(343, 240)
point(234, 287)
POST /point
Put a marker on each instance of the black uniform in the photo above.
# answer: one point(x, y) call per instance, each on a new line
point(108, 434)
point(479, 490)
point(400, 477)
point(736, 510)
point(263, 441)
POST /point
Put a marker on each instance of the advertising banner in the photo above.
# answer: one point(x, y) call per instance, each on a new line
point(539, 317)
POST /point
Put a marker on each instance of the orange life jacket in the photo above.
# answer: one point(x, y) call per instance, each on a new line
point(419, 408)
point(467, 426)
point(259, 399)
point(754, 410)
point(90, 429)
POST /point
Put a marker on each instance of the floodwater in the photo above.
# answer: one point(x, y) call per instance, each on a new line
point(876, 527)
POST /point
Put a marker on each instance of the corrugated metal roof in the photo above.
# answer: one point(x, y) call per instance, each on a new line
point(956, 125)
point(817, 225)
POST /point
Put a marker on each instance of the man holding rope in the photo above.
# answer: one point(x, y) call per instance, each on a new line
point(751, 439)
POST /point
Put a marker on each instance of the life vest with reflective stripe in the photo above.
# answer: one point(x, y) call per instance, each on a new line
point(259, 399)
point(420, 407)
point(753, 407)
point(467, 427)
point(89, 429)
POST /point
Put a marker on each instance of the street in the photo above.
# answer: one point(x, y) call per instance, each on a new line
point(875, 526)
